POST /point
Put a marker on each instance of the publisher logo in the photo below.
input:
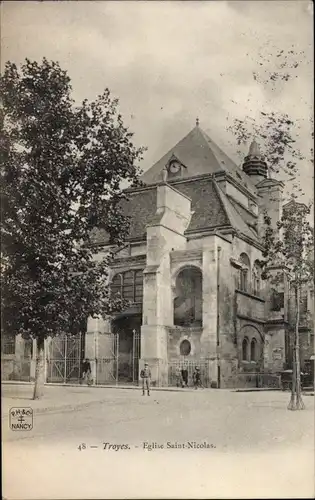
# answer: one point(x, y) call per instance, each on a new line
point(21, 419)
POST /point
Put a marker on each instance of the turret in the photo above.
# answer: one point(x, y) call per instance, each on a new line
point(254, 164)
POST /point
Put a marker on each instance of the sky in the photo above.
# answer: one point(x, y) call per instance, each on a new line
point(170, 62)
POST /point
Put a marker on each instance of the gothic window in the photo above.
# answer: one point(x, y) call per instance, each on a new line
point(185, 348)
point(253, 350)
point(128, 285)
point(244, 273)
point(188, 297)
point(116, 285)
point(245, 349)
point(277, 300)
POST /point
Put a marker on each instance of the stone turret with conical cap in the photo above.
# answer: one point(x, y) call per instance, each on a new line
point(254, 163)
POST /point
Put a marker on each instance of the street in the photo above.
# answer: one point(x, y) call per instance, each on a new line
point(112, 443)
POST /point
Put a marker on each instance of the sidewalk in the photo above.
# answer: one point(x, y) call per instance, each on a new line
point(138, 387)
point(15, 394)
point(52, 400)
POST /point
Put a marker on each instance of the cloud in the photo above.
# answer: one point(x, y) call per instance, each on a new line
point(169, 62)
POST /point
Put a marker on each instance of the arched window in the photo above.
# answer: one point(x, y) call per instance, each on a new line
point(188, 298)
point(128, 285)
point(245, 349)
point(276, 300)
point(116, 285)
point(244, 272)
point(256, 277)
point(253, 350)
point(185, 348)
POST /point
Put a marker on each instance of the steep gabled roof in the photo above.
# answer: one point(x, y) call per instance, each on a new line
point(201, 155)
point(210, 206)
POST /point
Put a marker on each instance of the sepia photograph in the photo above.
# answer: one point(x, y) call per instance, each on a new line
point(157, 249)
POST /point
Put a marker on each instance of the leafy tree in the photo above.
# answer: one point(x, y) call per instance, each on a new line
point(277, 132)
point(62, 172)
point(289, 253)
point(287, 248)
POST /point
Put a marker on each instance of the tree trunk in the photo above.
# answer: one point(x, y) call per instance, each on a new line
point(292, 403)
point(39, 369)
point(296, 402)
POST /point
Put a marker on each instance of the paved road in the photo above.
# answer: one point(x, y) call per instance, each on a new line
point(255, 446)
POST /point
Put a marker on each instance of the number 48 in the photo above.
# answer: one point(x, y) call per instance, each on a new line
point(82, 446)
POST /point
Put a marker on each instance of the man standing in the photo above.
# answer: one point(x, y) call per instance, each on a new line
point(86, 371)
point(197, 378)
point(185, 376)
point(145, 374)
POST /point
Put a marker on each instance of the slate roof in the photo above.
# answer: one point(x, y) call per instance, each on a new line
point(210, 206)
point(201, 155)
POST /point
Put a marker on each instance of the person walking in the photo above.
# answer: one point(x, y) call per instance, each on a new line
point(86, 371)
point(145, 374)
point(197, 378)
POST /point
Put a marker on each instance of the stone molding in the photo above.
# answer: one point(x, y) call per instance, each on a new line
point(250, 295)
point(253, 320)
point(186, 255)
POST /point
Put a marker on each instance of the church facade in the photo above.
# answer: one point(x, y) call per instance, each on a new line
point(191, 271)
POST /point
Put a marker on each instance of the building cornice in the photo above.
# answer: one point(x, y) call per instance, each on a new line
point(249, 318)
point(184, 255)
point(250, 295)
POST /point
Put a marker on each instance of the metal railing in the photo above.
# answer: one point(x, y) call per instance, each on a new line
point(257, 380)
point(63, 357)
point(175, 367)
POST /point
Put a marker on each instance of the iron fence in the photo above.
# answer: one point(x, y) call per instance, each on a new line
point(63, 355)
point(113, 366)
point(106, 356)
point(257, 380)
point(175, 367)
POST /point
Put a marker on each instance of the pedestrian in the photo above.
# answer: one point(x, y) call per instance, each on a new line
point(185, 376)
point(86, 371)
point(178, 374)
point(197, 378)
point(145, 374)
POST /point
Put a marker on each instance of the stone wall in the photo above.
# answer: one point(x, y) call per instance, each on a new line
point(164, 235)
point(176, 335)
point(21, 365)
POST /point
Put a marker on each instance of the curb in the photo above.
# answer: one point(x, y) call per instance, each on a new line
point(263, 389)
point(129, 387)
point(138, 387)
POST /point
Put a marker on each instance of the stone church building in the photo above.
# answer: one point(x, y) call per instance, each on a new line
point(191, 272)
point(191, 269)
